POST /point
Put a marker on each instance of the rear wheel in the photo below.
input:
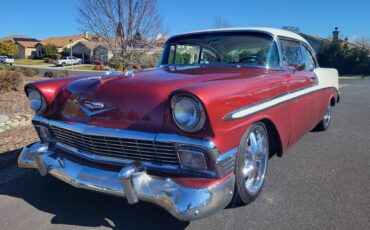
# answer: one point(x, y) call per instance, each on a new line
point(324, 124)
point(63, 64)
point(251, 164)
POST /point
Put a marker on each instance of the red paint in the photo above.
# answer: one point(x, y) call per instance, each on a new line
point(142, 102)
point(201, 182)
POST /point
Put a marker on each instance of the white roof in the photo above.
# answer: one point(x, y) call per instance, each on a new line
point(273, 31)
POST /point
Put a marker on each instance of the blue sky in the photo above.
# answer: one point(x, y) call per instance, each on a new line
point(46, 18)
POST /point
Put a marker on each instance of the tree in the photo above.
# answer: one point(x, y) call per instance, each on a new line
point(49, 50)
point(8, 48)
point(292, 29)
point(66, 51)
point(116, 22)
point(346, 60)
point(362, 41)
point(219, 22)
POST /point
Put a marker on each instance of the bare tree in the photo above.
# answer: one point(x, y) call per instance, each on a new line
point(121, 23)
point(219, 22)
point(362, 41)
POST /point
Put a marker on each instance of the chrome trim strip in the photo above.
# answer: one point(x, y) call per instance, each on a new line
point(132, 182)
point(230, 116)
point(225, 164)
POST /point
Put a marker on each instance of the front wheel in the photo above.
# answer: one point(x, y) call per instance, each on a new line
point(251, 164)
point(324, 124)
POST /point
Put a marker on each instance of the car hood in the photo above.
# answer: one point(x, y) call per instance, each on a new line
point(139, 101)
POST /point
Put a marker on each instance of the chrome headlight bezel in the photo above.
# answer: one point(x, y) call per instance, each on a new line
point(197, 109)
point(36, 101)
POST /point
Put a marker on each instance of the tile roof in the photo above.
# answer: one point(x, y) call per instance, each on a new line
point(329, 40)
point(27, 44)
point(60, 42)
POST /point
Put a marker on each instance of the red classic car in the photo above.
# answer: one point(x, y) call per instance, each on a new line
point(193, 135)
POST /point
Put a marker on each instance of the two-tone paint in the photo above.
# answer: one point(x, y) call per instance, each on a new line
point(290, 102)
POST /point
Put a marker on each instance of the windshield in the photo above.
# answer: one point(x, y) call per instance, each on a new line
point(251, 49)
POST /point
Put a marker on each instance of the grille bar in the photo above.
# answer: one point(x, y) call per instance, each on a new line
point(130, 149)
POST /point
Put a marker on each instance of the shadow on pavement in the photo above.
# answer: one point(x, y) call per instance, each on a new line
point(71, 206)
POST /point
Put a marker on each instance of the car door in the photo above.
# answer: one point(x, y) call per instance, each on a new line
point(302, 110)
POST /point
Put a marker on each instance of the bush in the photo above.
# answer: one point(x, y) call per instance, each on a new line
point(49, 50)
point(352, 61)
point(30, 72)
point(100, 67)
point(58, 56)
point(49, 74)
point(11, 80)
point(118, 65)
point(48, 60)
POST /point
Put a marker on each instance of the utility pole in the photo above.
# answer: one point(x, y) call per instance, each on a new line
point(70, 52)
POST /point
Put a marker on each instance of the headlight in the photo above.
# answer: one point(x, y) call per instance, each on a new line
point(36, 101)
point(188, 113)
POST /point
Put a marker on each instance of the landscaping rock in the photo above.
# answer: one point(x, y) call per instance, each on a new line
point(14, 124)
point(4, 118)
point(3, 128)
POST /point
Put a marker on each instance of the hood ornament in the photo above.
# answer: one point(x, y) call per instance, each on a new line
point(92, 108)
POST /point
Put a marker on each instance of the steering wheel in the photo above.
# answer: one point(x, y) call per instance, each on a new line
point(252, 58)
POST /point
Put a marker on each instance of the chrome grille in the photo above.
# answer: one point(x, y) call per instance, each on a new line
point(130, 149)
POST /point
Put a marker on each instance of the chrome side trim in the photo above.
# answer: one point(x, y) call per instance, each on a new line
point(225, 164)
point(132, 182)
point(248, 110)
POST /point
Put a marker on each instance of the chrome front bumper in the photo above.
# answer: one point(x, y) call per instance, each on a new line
point(133, 183)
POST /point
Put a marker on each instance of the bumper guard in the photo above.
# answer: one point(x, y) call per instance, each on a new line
point(133, 183)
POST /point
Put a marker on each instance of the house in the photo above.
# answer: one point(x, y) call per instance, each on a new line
point(95, 49)
point(316, 41)
point(26, 47)
point(61, 42)
point(90, 51)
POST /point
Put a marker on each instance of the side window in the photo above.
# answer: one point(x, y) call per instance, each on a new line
point(308, 59)
point(292, 53)
point(207, 56)
point(187, 54)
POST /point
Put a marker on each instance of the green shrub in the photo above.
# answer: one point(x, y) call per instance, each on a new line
point(11, 80)
point(118, 65)
point(58, 56)
point(351, 61)
point(49, 50)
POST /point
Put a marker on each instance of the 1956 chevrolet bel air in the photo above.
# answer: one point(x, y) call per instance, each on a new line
point(193, 135)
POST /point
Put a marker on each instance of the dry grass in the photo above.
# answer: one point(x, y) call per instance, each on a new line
point(29, 61)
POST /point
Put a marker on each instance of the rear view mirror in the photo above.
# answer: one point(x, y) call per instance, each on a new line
point(300, 67)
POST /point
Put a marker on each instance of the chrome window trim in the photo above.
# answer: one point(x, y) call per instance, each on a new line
point(273, 36)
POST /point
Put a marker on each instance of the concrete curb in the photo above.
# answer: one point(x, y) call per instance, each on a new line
point(353, 78)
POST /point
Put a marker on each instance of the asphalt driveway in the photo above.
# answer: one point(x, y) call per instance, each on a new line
point(323, 182)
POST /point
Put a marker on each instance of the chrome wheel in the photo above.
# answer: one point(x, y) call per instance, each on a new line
point(256, 155)
point(327, 117)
